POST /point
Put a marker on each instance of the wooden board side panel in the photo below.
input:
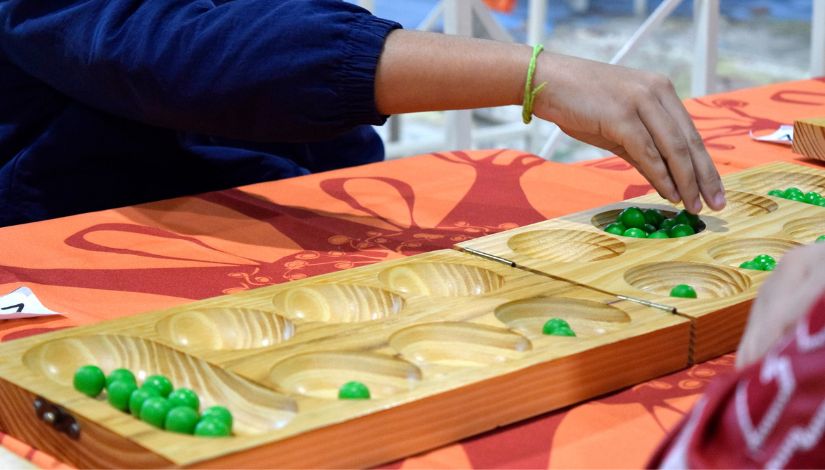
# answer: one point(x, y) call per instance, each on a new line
point(809, 138)
point(719, 333)
point(447, 417)
point(96, 447)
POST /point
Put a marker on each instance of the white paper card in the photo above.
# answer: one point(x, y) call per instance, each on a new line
point(783, 135)
point(22, 303)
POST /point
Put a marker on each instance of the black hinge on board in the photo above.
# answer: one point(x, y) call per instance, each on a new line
point(58, 417)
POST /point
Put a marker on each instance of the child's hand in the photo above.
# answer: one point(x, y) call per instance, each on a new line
point(635, 114)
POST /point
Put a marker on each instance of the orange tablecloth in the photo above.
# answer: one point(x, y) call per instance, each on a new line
point(102, 265)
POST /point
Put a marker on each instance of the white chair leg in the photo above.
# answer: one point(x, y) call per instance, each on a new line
point(429, 21)
point(705, 54)
point(536, 18)
point(818, 39)
point(367, 4)
point(458, 20)
point(640, 8)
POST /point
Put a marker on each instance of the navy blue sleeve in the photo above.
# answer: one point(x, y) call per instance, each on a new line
point(261, 70)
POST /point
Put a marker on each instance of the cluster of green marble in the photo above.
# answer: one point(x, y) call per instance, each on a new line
point(796, 194)
point(651, 223)
point(156, 401)
point(760, 263)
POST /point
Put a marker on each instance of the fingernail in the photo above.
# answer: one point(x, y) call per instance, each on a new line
point(695, 207)
point(719, 200)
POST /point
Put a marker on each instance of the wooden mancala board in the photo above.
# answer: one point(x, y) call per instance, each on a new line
point(809, 138)
point(449, 344)
point(575, 247)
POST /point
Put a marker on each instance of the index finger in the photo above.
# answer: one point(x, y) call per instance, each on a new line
point(710, 183)
point(674, 151)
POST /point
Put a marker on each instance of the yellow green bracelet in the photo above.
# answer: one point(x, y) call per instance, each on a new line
point(530, 93)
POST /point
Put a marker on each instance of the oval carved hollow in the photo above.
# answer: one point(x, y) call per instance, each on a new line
point(321, 374)
point(586, 317)
point(741, 204)
point(566, 245)
point(337, 303)
point(807, 229)
point(735, 252)
point(255, 409)
point(764, 182)
point(708, 280)
point(458, 344)
point(441, 279)
point(219, 329)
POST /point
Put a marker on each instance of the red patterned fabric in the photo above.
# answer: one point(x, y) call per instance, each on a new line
point(771, 415)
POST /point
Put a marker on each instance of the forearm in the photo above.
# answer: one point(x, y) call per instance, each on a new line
point(453, 73)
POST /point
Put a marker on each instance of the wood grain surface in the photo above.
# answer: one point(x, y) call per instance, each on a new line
point(809, 138)
point(450, 345)
point(576, 248)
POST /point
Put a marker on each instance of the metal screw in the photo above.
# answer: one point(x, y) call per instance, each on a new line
point(74, 430)
point(38, 404)
point(49, 417)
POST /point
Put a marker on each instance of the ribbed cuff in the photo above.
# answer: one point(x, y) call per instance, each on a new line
point(355, 79)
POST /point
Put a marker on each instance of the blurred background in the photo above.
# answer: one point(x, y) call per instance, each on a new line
point(704, 46)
